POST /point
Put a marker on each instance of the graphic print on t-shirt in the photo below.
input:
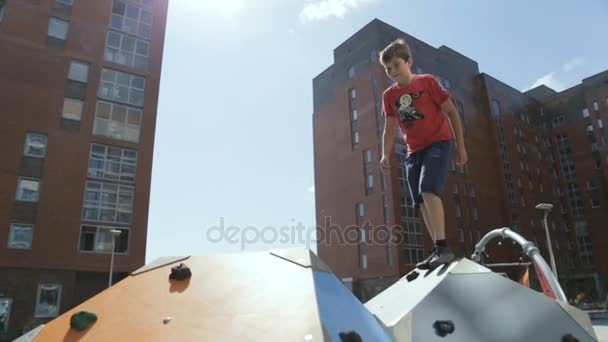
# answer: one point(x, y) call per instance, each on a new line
point(406, 110)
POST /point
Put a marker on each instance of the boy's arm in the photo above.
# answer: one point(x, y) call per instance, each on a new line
point(449, 108)
point(388, 139)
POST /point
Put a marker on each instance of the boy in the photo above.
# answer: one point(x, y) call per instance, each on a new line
point(418, 103)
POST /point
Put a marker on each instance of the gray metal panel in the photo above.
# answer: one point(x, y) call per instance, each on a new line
point(487, 307)
point(394, 303)
point(580, 316)
point(465, 266)
point(340, 311)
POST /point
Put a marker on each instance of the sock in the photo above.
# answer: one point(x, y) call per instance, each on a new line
point(441, 243)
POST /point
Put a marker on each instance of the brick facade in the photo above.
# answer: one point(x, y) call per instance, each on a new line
point(34, 80)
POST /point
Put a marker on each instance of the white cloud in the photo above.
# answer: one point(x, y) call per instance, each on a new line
point(550, 80)
point(311, 188)
point(574, 63)
point(324, 9)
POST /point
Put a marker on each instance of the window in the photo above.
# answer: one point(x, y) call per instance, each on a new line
point(475, 214)
point(368, 156)
point(460, 235)
point(600, 124)
point(132, 18)
point(354, 114)
point(594, 196)
point(370, 182)
point(122, 87)
point(112, 163)
point(99, 239)
point(78, 75)
point(2, 5)
point(362, 247)
point(107, 202)
point(460, 109)
point(117, 121)
point(58, 29)
point(360, 210)
point(596, 106)
point(72, 109)
point(27, 189)
point(78, 72)
point(369, 176)
point(356, 138)
point(413, 234)
point(455, 188)
point(35, 145)
point(20, 236)
point(127, 50)
point(351, 72)
point(48, 300)
point(415, 255)
point(447, 84)
point(66, 2)
point(457, 206)
point(363, 261)
point(374, 56)
point(5, 303)
point(496, 107)
point(585, 112)
point(559, 120)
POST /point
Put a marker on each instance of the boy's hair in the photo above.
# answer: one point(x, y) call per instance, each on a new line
point(398, 48)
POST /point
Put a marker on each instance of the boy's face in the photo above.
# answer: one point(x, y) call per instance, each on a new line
point(399, 70)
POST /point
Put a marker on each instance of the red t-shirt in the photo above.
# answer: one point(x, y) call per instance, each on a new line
point(418, 109)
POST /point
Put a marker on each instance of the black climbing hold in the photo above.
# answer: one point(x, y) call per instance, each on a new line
point(82, 320)
point(350, 336)
point(180, 272)
point(443, 328)
point(412, 276)
point(569, 338)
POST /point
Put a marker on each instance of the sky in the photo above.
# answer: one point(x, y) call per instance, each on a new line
point(233, 161)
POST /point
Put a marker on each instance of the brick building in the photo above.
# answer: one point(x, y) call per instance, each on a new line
point(513, 146)
point(79, 83)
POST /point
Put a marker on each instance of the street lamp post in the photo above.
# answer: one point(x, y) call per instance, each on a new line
point(546, 207)
point(114, 234)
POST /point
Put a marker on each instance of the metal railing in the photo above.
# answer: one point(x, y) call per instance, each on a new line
point(530, 250)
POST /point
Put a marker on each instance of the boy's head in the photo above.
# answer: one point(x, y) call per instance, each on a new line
point(397, 61)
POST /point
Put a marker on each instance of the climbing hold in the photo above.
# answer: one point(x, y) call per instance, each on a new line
point(82, 320)
point(180, 272)
point(569, 338)
point(443, 328)
point(350, 336)
point(412, 276)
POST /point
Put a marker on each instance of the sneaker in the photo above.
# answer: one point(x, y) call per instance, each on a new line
point(425, 264)
point(442, 256)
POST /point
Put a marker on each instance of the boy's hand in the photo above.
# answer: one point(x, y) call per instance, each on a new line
point(461, 156)
point(385, 164)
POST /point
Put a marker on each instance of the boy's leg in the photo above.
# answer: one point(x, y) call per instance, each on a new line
point(435, 165)
point(436, 216)
point(427, 221)
point(413, 167)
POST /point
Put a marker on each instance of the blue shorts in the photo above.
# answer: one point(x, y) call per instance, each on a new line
point(427, 170)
